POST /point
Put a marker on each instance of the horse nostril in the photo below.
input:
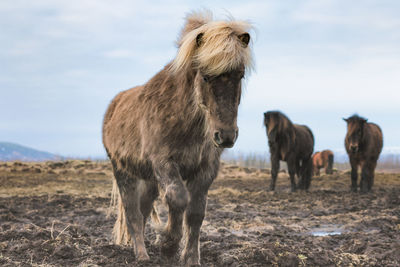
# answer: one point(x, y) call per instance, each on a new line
point(217, 137)
point(225, 138)
point(236, 133)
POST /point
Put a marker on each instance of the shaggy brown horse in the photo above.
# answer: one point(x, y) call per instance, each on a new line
point(170, 132)
point(323, 159)
point(363, 142)
point(292, 143)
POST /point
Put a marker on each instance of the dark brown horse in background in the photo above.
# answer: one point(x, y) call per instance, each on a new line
point(292, 143)
point(323, 159)
point(363, 142)
point(170, 133)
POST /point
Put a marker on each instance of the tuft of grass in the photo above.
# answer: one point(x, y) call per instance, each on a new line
point(302, 259)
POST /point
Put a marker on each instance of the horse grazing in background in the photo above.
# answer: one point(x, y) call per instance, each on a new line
point(323, 159)
point(170, 132)
point(363, 143)
point(292, 143)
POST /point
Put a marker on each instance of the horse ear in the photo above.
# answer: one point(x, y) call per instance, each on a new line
point(364, 121)
point(265, 114)
point(346, 120)
point(244, 38)
point(199, 39)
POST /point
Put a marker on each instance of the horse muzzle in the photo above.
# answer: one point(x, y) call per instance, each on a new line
point(353, 149)
point(225, 138)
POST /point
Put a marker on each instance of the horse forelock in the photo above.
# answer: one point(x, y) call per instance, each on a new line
point(354, 123)
point(194, 20)
point(278, 121)
point(352, 127)
point(220, 49)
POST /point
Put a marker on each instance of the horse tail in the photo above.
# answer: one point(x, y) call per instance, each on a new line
point(154, 215)
point(120, 231)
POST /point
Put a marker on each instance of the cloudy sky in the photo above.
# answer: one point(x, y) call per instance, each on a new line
point(61, 63)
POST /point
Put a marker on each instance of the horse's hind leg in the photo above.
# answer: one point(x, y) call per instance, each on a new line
point(307, 172)
point(148, 194)
point(329, 169)
point(292, 168)
point(129, 190)
point(365, 173)
point(372, 176)
point(367, 176)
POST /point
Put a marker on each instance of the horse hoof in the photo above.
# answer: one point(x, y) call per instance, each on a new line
point(169, 249)
point(143, 257)
point(190, 261)
point(272, 189)
point(192, 264)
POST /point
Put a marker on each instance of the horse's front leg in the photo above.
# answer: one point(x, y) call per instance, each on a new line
point(274, 170)
point(177, 199)
point(354, 175)
point(194, 216)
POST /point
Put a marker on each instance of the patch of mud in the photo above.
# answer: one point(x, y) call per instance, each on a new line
point(55, 214)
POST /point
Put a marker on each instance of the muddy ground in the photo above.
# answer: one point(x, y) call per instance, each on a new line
point(55, 214)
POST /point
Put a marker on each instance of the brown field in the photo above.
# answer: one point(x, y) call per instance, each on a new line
point(55, 214)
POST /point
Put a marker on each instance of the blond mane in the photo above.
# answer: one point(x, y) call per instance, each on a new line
point(220, 49)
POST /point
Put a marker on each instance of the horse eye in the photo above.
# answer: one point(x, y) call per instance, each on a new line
point(206, 78)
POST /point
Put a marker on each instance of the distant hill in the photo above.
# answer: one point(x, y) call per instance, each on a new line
point(11, 151)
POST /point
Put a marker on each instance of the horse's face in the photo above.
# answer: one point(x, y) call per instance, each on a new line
point(355, 133)
point(219, 96)
point(271, 122)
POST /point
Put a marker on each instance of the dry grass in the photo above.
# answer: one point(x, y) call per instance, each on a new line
point(75, 177)
point(55, 214)
point(387, 162)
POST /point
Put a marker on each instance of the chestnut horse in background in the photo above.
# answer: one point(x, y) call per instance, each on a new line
point(363, 143)
point(292, 143)
point(323, 159)
point(170, 132)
